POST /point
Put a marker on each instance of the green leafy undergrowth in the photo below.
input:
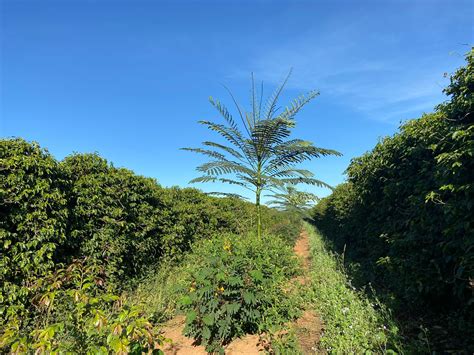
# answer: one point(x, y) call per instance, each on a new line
point(353, 323)
point(73, 312)
point(160, 290)
point(237, 287)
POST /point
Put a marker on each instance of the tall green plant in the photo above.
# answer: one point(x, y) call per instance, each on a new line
point(260, 155)
point(288, 198)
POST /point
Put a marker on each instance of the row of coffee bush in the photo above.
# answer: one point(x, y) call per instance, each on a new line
point(54, 212)
point(406, 214)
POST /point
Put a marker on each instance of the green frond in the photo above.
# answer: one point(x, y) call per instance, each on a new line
point(209, 153)
point(209, 178)
point(287, 155)
point(268, 133)
point(272, 132)
point(253, 99)
point(203, 179)
point(293, 173)
point(235, 182)
point(308, 181)
point(246, 124)
point(260, 101)
point(273, 99)
point(231, 135)
point(227, 194)
point(229, 150)
point(224, 113)
point(269, 181)
point(304, 147)
point(297, 104)
point(224, 167)
point(250, 180)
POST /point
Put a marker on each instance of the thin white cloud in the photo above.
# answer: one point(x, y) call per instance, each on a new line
point(381, 86)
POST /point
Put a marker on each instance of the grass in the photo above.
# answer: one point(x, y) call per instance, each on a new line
point(353, 322)
point(161, 289)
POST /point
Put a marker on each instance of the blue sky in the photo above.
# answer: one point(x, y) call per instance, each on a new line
point(130, 79)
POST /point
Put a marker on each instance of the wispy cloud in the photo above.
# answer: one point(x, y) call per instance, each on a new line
point(383, 85)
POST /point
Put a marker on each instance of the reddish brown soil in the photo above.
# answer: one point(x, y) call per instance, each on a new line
point(249, 344)
point(302, 248)
point(307, 328)
point(180, 345)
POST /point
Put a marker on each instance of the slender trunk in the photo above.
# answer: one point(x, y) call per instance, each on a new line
point(259, 215)
point(258, 191)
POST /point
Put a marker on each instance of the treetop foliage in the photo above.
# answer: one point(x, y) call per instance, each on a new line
point(260, 155)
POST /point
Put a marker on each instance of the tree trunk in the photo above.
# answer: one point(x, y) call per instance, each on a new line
point(259, 215)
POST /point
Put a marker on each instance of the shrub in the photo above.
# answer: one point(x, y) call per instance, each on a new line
point(407, 209)
point(194, 215)
point(237, 288)
point(75, 313)
point(33, 218)
point(116, 216)
point(406, 213)
point(286, 225)
point(164, 284)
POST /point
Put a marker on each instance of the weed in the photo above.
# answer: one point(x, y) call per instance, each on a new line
point(353, 323)
point(237, 288)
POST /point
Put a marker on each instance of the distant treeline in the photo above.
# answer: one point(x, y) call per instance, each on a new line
point(405, 217)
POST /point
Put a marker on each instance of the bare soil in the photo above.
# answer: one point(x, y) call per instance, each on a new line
point(181, 344)
point(308, 331)
point(308, 327)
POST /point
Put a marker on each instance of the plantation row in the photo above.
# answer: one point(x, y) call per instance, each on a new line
point(76, 233)
point(405, 217)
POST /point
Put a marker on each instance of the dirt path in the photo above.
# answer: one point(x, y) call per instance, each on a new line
point(183, 345)
point(307, 328)
point(180, 344)
point(301, 249)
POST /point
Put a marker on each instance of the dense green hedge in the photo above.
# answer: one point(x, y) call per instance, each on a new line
point(406, 212)
point(83, 208)
point(115, 215)
point(33, 211)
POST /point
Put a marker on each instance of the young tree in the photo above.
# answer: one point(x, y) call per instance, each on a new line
point(288, 198)
point(260, 155)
